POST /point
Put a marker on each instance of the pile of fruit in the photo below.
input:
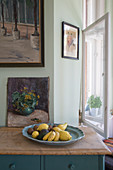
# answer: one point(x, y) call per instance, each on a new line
point(50, 133)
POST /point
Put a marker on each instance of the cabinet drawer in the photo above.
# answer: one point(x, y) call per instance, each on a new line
point(19, 162)
point(71, 162)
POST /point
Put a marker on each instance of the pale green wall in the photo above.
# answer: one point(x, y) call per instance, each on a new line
point(109, 8)
point(67, 72)
point(32, 72)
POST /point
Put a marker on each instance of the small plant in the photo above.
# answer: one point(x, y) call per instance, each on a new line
point(24, 101)
point(94, 102)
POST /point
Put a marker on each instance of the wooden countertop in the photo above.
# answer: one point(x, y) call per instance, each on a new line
point(12, 142)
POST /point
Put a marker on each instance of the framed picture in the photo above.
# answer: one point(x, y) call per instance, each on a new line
point(70, 41)
point(22, 33)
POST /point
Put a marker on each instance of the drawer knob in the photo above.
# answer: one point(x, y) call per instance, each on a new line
point(12, 166)
point(71, 167)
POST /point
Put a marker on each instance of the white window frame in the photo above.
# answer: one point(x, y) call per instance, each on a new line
point(106, 108)
point(98, 7)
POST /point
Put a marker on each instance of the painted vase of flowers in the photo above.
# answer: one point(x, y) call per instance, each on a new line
point(25, 102)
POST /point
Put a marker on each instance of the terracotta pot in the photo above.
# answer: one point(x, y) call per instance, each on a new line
point(3, 31)
point(16, 35)
point(34, 39)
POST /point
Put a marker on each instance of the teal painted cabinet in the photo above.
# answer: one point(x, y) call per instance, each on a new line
point(19, 162)
point(51, 162)
point(74, 162)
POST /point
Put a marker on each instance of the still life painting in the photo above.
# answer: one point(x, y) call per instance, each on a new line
point(28, 101)
point(21, 33)
point(70, 41)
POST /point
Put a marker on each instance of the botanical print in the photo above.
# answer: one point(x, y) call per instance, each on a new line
point(20, 31)
point(28, 101)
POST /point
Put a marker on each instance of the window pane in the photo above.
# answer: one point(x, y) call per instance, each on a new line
point(89, 12)
point(92, 10)
point(94, 75)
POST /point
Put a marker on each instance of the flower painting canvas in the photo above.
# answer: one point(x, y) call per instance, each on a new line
point(28, 101)
point(70, 41)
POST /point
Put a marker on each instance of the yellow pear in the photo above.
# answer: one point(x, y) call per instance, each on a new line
point(65, 136)
point(57, 129)
point(63, 126)
point(35, 134)
point(43, 126)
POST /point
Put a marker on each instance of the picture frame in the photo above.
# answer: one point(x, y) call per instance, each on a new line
point(25, 51)
point(70, 41)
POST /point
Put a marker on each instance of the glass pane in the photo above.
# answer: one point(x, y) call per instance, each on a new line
point(89, 12)
point(94, 9)
point(95, 75)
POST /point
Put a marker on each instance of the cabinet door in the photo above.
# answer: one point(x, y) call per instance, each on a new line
point(73, 163)
point(19, 162)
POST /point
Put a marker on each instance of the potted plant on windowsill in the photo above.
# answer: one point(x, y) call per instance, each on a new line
point(94, 105)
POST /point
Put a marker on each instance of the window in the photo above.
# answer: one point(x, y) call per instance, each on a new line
point(95, 67)
point(92, 10)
